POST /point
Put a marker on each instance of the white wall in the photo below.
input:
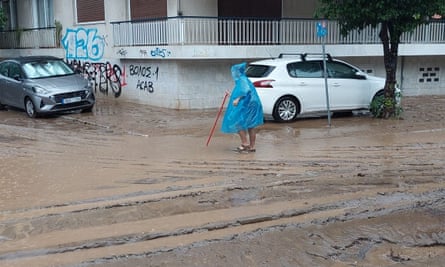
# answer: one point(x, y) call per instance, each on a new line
point(192, 8)
point(423, 75)
point(194, 84)
point(183, 84)
point(64, 12)
point(200, 8)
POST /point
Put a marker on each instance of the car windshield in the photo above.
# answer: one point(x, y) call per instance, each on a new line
point(46, 68)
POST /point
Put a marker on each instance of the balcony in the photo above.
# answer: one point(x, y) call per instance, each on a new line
point(29, 38)
point(234, 31)
point(215, 37)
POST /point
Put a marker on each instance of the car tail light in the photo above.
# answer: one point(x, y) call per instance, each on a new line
point(263, 84)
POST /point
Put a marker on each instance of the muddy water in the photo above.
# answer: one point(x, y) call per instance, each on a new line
point(131, 185)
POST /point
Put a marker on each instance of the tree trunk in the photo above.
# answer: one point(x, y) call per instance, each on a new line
point(390, 40)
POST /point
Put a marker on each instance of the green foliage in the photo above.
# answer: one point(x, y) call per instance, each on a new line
point(405, 15)
point(394, 17)
point(380, 104)
point(59, 29)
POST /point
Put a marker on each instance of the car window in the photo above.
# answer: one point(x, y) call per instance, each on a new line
point(340, 70)
point(305, 69)
point(258, 71)
point(4, 70)
point(46, 68)
point(14, 71)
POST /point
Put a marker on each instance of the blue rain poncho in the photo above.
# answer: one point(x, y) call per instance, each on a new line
point(248, 113)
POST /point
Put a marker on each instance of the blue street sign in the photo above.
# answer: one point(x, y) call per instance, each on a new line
point(322, 30)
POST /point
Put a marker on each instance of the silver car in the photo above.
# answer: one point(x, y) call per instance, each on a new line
point(43, 85)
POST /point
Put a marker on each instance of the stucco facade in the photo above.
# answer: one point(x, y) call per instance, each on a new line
point(196, 76)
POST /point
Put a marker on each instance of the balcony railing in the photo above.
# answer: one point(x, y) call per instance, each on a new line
point(223, 31)
point(236, 31)
point(28, 38)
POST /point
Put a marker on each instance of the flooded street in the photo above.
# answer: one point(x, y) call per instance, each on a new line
point(131, 185)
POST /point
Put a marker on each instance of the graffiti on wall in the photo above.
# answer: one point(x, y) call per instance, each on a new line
point(84, 50)
point(146, 76)
point(105, 77)
point(122, 52)
point(83, 44)
point(158, 52)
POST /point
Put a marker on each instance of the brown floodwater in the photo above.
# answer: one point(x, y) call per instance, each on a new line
point(131, 185)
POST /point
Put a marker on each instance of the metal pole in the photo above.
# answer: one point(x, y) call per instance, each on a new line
point(322, 31)
point(325, 74)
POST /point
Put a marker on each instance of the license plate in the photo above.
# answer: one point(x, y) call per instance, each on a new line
point(71, 100)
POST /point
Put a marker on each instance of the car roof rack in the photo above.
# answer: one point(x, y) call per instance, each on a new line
point(290, 54)
point(328, 56)
point(304, 56)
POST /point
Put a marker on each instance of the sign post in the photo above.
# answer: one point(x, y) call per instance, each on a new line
point(322, 31)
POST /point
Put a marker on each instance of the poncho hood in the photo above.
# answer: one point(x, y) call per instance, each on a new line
point(238, 70)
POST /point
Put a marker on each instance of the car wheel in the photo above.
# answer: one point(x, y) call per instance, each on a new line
point(30, 108)
point(286, 109)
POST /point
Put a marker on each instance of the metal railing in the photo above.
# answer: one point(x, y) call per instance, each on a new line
point(28, 38)
point(243, 31)
point(223, 31)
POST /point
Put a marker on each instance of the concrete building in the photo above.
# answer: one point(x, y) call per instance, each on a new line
point(178, 53)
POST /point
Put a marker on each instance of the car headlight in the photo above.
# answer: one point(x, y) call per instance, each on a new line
point(39, 90)
point(89, 86)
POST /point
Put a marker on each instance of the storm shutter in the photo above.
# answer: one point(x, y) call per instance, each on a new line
point(90, 10)
point(141, 9)
point(250, 8)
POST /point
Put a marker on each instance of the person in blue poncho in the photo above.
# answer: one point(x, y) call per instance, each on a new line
point(244, 111)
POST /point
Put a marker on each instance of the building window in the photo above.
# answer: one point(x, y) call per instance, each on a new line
point(45, 13)
point(90, 10)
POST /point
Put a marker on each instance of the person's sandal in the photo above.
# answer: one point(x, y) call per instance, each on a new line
point(243, 148)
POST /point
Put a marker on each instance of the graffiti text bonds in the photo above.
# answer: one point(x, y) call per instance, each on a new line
point(145, 75)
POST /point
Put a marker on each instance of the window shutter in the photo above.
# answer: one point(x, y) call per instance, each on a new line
point(141, 9)
point(90, 10)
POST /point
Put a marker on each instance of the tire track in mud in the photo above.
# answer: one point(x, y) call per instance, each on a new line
point(258, 196)
point(184, 205)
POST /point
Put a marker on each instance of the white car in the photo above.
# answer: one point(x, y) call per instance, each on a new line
point(294, 85)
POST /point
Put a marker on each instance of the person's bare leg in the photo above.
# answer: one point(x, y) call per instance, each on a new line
point(243, 136)
point(252, 138)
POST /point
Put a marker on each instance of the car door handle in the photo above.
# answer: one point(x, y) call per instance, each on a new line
point(336, 84)
point(302, 84)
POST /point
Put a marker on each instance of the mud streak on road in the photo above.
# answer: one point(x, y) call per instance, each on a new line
point(135, 186)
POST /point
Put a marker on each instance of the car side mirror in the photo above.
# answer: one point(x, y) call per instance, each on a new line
point(17, 77)
point(360, 76)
